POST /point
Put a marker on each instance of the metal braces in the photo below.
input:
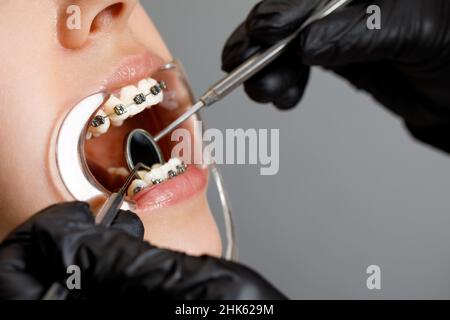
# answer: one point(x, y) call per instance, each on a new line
point(171, 173)
point(137, 189)
point(121, 109)
point(181, 168)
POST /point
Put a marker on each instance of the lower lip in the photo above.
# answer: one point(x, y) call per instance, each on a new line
point(173, 191)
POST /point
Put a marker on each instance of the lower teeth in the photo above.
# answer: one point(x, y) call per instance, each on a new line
point(158, 174)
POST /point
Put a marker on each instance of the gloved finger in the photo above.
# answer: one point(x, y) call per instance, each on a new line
point(290, 98)
point(23, 268)
point(268, 22)
point(130, 223)
point(56, 233)
point(237, 49)
point(17, 280)
point(48, 229)
point(272, 20)
point(344, 38)
point(281, 83)
point(105, 258)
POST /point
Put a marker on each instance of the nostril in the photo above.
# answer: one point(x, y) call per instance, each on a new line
point(105, 18)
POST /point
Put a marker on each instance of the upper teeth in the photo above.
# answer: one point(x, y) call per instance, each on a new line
point(133, 100)
point(102, 123)
point(158, 174)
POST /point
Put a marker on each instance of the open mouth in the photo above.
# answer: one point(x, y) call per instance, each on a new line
point(151, 104)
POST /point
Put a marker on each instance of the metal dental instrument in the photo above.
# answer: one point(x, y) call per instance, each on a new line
point(105, 217)
point(252, 66)
point(111, 207)
point(140, 147)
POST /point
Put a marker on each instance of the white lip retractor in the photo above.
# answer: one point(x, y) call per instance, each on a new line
point(70, 159)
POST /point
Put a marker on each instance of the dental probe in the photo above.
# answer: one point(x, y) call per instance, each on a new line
point(250, 67)
point(111, 207)
point(105, 217)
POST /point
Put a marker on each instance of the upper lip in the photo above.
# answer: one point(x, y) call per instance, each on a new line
point(131, 69)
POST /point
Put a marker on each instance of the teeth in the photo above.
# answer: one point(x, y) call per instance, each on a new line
point(127, 96)
point(144, 87)
point(121, 171)
point(158, 174)
point(133, 100)
point(142, 174)
point(116, 111)
point(152, 98)
point(117, 124)
point(136, 186)
point(102, 123)
point(174, 162)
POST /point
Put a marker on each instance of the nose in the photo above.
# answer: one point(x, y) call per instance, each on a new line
point(81, 20)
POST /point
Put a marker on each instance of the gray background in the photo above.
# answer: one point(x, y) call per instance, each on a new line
point(353, 188)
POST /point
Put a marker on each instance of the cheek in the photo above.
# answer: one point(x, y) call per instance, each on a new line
point(145, 32)
point(27, 108)
point(24, 179)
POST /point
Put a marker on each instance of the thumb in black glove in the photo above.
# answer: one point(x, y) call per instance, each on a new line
point(38, 252)
point(405, 65)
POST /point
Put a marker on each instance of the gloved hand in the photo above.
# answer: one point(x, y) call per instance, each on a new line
point(38, 252)
point(114, 263)
point(405, 65)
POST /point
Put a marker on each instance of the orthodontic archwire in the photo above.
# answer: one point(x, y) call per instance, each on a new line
point(120, 109)
point(180, 168)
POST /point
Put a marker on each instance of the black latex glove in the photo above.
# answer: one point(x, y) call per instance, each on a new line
point(114, 262)
point(38, 252)
point(405, 65)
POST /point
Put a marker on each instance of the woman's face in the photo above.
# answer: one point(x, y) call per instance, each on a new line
point(45, 69)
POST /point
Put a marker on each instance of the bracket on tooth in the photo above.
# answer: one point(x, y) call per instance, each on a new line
point(162, 84)
point(156, 89)
point(137, 189)
point(172, 174)
point(98, 121)
point(156, 181)
point(139, 99)
point(120, 110)
point(181, 168)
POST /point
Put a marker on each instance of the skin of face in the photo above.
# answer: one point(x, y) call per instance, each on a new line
point(47, 68)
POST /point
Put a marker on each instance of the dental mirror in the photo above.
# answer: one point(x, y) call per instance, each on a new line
point(140, 147)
